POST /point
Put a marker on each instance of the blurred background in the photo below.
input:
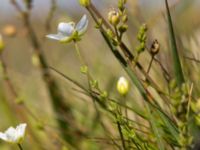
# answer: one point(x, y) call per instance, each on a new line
point(26, 76)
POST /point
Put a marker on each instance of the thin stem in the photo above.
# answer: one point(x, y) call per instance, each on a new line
point(50, 15)
point(79, 54)
point(193, 59)
point(20, 147)
point(121, 135)
point(152, 58)
point(189, 102)
point(125, 109)
point(165, 72)
point(117, 34)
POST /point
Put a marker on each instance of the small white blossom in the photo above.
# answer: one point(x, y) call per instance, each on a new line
point(70, 31)
point(122, 86)
point(14, 135)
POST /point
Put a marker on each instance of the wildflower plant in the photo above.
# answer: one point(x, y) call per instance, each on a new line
point(143, 111)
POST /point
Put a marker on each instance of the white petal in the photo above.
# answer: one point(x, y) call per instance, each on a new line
point(10, 131)
point(66, 28)
point(20, 129)
point(82, 25)
point(83, 30)
point(66, 39)
point(56, 36)
point(3, 136)
point(10, 134)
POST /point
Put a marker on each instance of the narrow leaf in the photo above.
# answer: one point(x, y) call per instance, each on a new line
point(176, 60)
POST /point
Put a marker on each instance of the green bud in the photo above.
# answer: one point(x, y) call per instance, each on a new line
point(99, 24)
point(141, 47)
point(112, 106)
point(123, 28)
point(114, 17)
point(84, 3)
point(115, 42)
point(94, 83)
point(104, 95)
point(84, 69)
point(121, 4)
point(110, 33)
point(124, 18)
point(141, 36)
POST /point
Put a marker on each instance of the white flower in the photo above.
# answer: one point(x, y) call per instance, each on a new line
point(123, 86)
point(14, 135)
point(70, 31)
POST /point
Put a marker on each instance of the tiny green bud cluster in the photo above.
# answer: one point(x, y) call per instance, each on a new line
point(118, 19)
point(142, 37)
point(121, 4)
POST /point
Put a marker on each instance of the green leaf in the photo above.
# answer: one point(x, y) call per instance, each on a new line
point(176, 60)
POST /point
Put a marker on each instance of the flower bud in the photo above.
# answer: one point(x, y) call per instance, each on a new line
point(113, 17)
point(123, 86)
point(84, 3)
point(1, 44)
point(123, 28)
point(124, 18)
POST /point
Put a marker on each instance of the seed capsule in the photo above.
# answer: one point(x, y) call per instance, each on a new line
point(155, 47)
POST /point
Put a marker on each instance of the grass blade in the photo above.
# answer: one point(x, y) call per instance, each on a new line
point(176, 60)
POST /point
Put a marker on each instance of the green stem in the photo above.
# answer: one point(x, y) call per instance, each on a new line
point(121, 135)
point(79, 54)
point(125, 108)
point(20, 147)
